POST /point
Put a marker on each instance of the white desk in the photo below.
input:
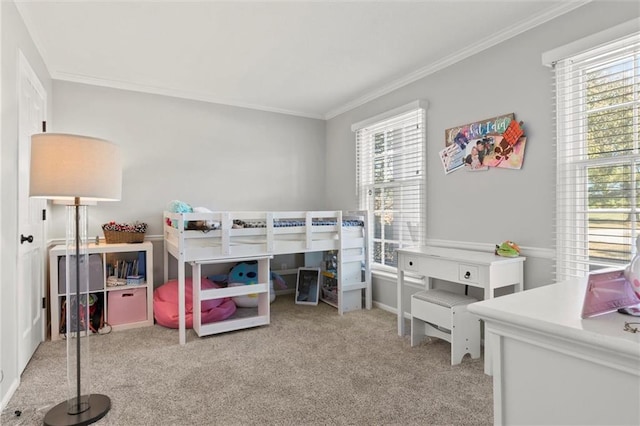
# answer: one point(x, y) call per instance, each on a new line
point(472, 268)
point(552, 367)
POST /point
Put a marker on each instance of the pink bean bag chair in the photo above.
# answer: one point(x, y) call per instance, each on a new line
point(165, 304)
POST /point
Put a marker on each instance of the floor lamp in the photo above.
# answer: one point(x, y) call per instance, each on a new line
point(77, 170)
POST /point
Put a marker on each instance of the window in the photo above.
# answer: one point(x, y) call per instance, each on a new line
point(598, 157)
point(391, 179)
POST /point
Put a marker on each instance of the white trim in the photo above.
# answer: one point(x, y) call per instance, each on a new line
point(174, 93)
point(385, 307)
point(473, 49)
point(625, 29)
point(4, 397)
point(24, 68)
point(536, 252)
point(11, 390)
point(420, 103)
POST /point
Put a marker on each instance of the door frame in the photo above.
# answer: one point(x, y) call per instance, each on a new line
point(25, 71)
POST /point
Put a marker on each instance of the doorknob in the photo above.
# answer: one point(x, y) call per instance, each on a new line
point(28, 239)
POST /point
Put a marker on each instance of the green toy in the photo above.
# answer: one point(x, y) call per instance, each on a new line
point(508, 249)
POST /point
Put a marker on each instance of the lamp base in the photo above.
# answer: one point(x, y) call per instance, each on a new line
point(99, 406)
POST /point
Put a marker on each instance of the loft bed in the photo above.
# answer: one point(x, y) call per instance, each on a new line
point(226, 237)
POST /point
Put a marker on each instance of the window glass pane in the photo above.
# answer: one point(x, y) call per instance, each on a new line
point(610, 132)
point(609, 187)
point(377, 225)
point(610, 237)
point(377, 252)
point(378, 143)
point(392, 229)
point(390, 255)
point(611, 218)
point(383, 198)
point(610, 84)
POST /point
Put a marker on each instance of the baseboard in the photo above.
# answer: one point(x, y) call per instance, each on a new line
point(6, 398)
point(385, 307)
point(390, 309)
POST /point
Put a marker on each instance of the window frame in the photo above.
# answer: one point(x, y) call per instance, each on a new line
point(366, 194)
point(574, 255)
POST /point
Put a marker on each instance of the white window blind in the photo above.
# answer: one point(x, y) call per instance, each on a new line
point(391, 181)
point(597, 102)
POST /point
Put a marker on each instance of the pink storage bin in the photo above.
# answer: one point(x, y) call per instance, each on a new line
point(127, 306)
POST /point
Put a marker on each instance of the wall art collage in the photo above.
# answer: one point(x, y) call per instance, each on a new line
point(497, 142)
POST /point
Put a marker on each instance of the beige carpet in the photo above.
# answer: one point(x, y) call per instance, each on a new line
point(309, 366)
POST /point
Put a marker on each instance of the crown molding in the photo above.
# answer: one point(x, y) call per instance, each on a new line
point(174, 93)
point(506, 34)
point(509, 32)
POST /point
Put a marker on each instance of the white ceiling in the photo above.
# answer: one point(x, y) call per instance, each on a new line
point(307, 58)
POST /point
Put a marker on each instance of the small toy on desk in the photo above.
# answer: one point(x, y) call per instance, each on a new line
point(508, 249)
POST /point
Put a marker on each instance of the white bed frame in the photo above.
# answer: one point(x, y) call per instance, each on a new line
point(227, 244)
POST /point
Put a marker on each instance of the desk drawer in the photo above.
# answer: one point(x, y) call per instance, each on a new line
point(411, 263)
point(468, 273)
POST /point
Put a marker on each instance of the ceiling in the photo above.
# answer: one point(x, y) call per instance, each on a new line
point(307, 58)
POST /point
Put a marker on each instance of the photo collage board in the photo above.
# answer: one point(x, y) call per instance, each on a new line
point(495, 142)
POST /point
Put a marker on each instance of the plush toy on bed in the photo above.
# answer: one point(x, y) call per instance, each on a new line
point(177, 206)
point(246, 273)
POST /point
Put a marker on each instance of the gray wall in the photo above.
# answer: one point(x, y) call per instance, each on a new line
point(209, 155)
point(14, 37)
point(481, 209)
point(215, 156)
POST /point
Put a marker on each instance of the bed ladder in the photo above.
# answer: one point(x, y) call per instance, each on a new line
point(354, 268)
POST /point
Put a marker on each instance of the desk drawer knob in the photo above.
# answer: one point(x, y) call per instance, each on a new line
point(410, 263)
point(467, 275)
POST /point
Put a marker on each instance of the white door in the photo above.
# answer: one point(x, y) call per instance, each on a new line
point(31, 253)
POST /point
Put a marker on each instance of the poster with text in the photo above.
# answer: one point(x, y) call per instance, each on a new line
point(452, 158)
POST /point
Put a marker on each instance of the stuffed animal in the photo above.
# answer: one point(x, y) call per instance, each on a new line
point(246, 273)
point(204, 224)
point(176, 206)
point(508, 249)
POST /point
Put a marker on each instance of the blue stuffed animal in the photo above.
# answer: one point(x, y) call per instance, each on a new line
point(246, 273)
point(176, 206)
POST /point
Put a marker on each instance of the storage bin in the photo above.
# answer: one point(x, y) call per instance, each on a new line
point(96, 278)
point(127, 306)
point(330, 295)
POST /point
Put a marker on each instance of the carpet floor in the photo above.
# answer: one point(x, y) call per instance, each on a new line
point(310, 366)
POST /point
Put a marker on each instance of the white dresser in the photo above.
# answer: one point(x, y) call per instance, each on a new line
point(550, 367)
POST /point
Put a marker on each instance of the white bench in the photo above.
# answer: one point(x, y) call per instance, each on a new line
point(443, 314)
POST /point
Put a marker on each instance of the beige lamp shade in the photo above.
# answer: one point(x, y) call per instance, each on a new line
point(65, 167)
